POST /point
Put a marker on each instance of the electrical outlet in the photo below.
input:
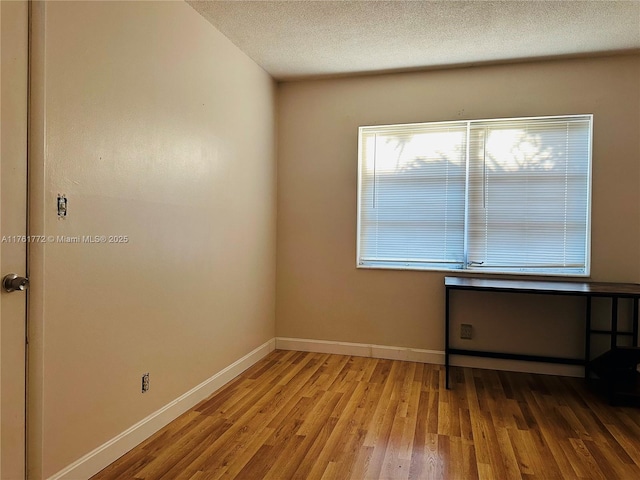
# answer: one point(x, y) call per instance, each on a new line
point(145, 382)
point(466, 331)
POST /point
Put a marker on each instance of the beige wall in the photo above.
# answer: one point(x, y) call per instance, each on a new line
point(156, 127)
point(321, 294)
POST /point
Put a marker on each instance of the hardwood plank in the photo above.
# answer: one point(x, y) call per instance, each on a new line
point(298, 449)
point(553, 430)
point(521, 452)
point(342, 413)
point(586, 465)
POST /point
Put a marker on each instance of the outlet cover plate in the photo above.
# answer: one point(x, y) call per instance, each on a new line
point(466, 331)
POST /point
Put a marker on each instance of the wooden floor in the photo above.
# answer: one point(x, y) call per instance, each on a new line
point(311, 416)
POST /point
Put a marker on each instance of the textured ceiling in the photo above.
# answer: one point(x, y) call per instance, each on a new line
point(297, 39)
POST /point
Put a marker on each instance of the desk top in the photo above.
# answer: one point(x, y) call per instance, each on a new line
point(541, 286)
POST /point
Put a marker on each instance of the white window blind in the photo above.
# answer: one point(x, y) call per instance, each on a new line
point(412, 183)
point(508, 195)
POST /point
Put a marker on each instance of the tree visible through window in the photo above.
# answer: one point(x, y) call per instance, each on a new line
point(507, 195)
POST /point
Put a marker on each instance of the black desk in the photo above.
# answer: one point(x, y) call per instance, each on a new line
point(589, 290)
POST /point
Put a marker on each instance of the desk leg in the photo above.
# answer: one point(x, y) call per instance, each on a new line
point(614, 322)
point(614, 344)
point(635, 322)
point(587, 341)
point(446, 337)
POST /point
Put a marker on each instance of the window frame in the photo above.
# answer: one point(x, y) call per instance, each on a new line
point(465, 269)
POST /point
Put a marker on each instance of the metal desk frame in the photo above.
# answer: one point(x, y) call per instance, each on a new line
point(589, 290)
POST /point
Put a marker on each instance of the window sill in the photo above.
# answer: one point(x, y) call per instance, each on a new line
point(472, 271)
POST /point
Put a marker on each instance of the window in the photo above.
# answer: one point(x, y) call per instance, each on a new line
point(507, 195)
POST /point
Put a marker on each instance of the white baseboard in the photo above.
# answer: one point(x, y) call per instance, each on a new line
point(517, 366)
point(360, 350)
point(110, 451)
point(424, 356)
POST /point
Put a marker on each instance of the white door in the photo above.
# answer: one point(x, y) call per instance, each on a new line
point(13, 221)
